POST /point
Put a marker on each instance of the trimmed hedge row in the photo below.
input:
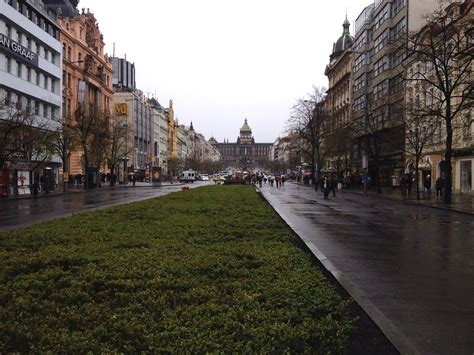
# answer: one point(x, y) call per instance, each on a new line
point(206, 270)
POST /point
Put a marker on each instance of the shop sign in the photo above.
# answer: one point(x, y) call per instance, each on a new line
point(121, 109)
point(18, 50)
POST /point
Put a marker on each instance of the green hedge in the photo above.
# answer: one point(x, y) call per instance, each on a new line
point(206, 270)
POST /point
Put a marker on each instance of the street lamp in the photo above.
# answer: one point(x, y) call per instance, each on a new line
point(125, 156)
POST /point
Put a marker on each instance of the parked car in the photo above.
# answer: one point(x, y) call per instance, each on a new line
point(204, 177)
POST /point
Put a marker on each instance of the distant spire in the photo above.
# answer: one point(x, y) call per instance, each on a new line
point(346, 24)
point(191, 128)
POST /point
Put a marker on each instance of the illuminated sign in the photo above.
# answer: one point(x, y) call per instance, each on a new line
point(17, 49)
point(121, 109)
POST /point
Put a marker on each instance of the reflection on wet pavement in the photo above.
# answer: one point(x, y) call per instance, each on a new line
point(414, 264)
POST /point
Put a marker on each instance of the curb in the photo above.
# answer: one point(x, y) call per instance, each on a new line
point(79, 191)
point(393, 334)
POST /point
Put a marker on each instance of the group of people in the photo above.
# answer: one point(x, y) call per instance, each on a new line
point(278, 180)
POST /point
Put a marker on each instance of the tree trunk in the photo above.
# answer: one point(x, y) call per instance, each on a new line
point(447, 156)
point(112, 180)
point(416, 178)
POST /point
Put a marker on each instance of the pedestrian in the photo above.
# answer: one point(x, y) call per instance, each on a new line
point(394, 182)
point(325, 188)
point(283, 180)
point(35, 189)
point(332, 186)
point(403, 185)
point(134, 179)
point(428, 183)
point(439, 187)
point(365, 182)
point(409, 183)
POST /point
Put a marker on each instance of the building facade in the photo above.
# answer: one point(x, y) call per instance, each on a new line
point(87, 79)
point(135, 111)
point(337, 104)
point(245, 152)
point(377, 84)
point(30, 79)
point(157, 117)
point(424, 99)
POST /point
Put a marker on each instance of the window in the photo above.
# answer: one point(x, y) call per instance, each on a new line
point(380, 90)
point(46, 54)
point(69, 80)
point(64, 49)
point(37, 78)
point(53, 85)
point(9, 65)
point(37, 108)
point(46, 80)
point(380, 41)
point(64, 78)
point(9, 31)
point(399, 29)
point(8, 98)
point(19, 37)
point(45, 110)
point(28, 43)
point(397, 5)
point(28, 74)
point(380, 66)
point(382, 16)
point(69, 53)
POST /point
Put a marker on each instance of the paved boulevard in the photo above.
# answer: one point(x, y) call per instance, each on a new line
point(410, 267)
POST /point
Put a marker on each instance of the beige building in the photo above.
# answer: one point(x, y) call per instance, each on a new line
point(422, 97)
point(87, 75)
point(337, 104)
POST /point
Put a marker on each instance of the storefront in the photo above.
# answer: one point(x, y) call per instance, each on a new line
point(16, 178)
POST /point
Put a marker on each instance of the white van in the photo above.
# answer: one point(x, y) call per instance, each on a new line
point(188, 176)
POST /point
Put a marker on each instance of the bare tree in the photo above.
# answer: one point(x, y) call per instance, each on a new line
point(378, 130)
point(89, 132)
point(306, 124)
point(440, 59)
point(62, 145)
point(338, 144)
point(23, 135)
point(419, 132)
point(116, 148)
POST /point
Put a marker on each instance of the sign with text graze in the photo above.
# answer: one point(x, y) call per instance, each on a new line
point(18, 50)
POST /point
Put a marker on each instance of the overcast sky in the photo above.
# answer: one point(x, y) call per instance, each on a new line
point(221, 61)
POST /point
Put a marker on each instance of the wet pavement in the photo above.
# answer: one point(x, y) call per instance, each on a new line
point(15, 213)
point(410, 267)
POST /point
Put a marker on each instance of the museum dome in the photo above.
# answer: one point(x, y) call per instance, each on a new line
point(246, 127)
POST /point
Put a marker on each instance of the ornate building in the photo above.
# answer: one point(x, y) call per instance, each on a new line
point(338, 100)
point(245, 152)
point(87, 73)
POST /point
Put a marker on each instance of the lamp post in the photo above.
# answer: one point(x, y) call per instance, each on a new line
point(125, 155)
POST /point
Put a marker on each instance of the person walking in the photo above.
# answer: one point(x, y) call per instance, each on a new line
point(134, 180)
point(325, 188)
point(332, 186)
point(35, 189)
point(439, 187)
